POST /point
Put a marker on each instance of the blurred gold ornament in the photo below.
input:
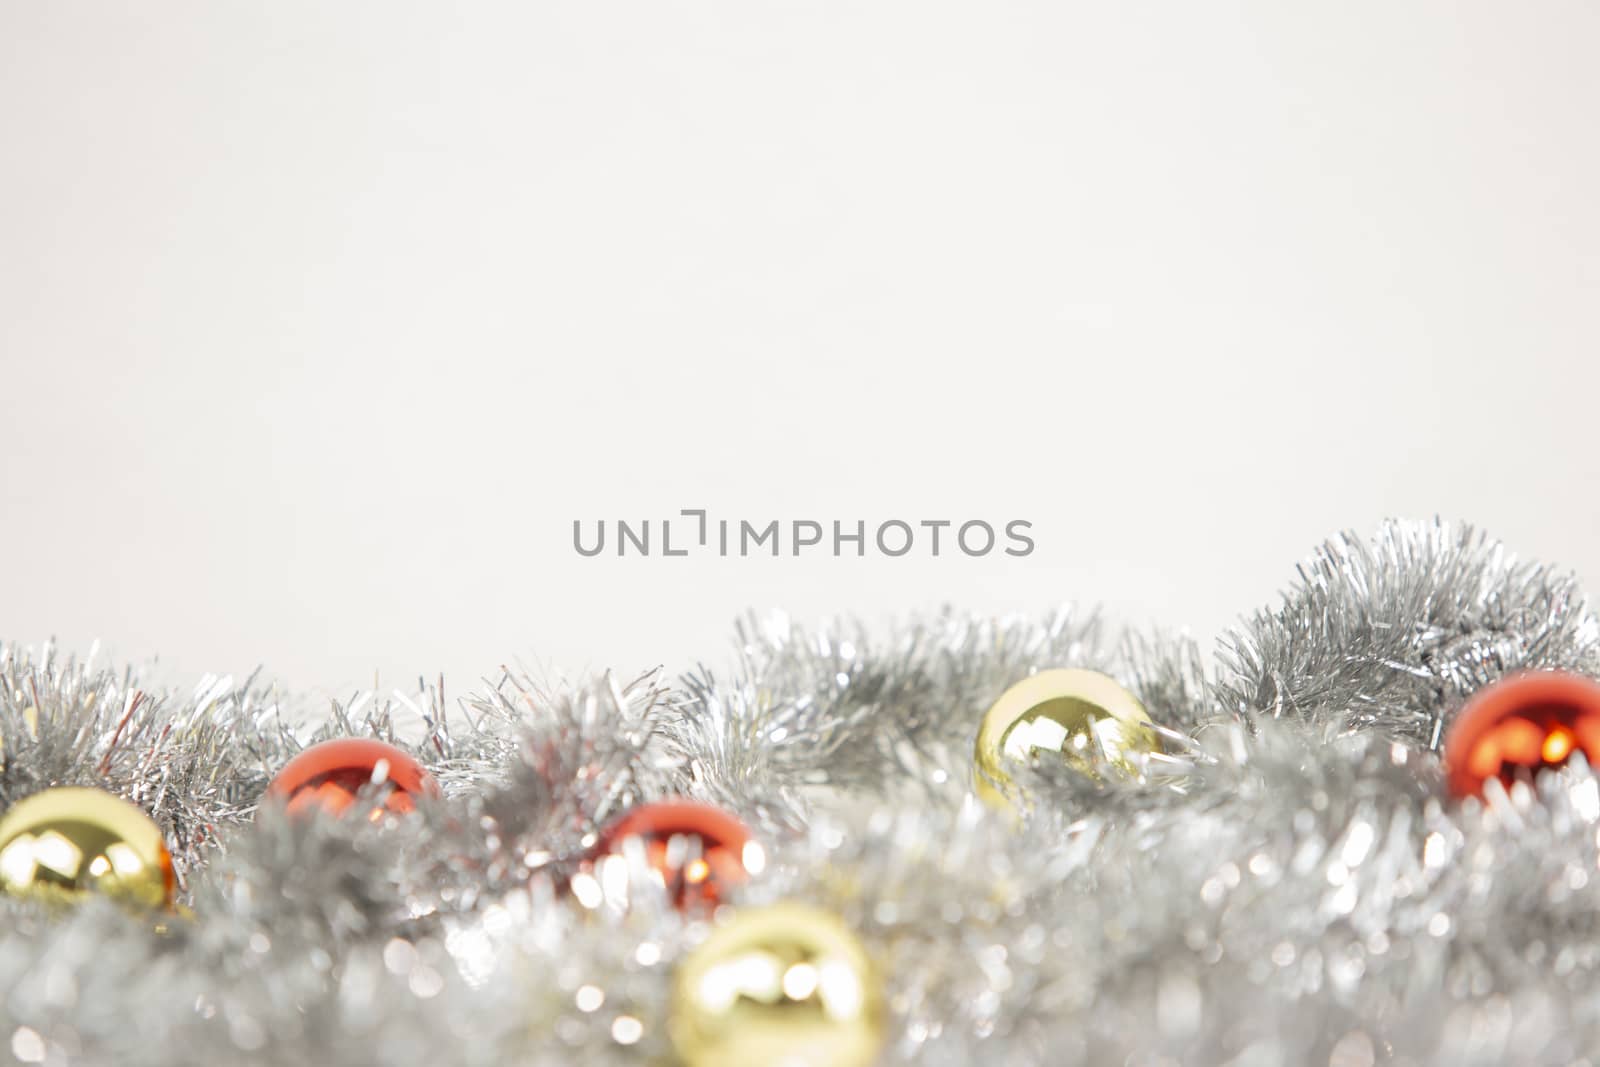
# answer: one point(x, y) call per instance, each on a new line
point(785, 983)
point(62, 843)
point(1081, 718)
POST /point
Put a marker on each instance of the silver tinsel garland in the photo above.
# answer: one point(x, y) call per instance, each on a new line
point(1286, 883)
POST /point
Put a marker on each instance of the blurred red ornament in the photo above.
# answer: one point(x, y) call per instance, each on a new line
point(699, 850)
point(1519, 725)
point(328, 776)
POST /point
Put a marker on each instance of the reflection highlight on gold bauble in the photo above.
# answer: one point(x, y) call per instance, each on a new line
point(63, 843)
point(1081, 718)
point(785, 983)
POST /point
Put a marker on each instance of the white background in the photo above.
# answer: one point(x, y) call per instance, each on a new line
point(320, 322)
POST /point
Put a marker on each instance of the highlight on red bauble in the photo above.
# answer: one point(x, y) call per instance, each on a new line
point(699, 850)
point(327, 777)
point(1520, 725)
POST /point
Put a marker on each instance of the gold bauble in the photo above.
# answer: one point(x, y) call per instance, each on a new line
point(1081, 718)
point(785, 983)
point(65, 842)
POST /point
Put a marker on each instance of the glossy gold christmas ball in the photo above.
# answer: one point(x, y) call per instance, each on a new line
point(785, 983)
point(1082, 718)
point(65, 842)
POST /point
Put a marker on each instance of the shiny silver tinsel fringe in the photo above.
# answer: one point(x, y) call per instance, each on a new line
point(1394, 632)
point(814, 717)
point(1284, 884)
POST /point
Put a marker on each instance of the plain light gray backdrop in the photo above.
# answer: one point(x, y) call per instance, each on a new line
point(320, 322)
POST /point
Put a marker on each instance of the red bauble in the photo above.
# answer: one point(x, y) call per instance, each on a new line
point(327, 777)
point(713, 851)
point(1520, 724)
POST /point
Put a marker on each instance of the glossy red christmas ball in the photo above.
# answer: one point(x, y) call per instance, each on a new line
point(699, 850)
point(1520, 724)
point(328, 776)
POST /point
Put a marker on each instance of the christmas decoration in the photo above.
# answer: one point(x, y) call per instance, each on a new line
point(697, 850)
point(1280, 880)
point(1081, 718)
point(812, 720)
point(1390, 633)
point(330, 776)
point(783, 983)
point(1520, 725)
point(62, 843)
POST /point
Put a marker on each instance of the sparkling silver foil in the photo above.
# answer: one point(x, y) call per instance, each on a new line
point(1393, 633)
point(1284, 883)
